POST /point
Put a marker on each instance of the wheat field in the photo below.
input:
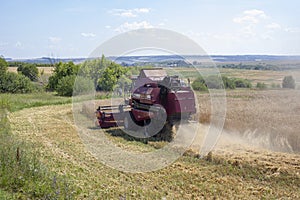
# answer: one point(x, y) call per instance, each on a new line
point(243, 165)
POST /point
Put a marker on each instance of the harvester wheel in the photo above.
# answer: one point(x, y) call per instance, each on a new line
point(128, 122)
point(166, 134)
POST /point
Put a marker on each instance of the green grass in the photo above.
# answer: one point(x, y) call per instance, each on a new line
point(21, 101)
point(6, 195)
point(22, 176)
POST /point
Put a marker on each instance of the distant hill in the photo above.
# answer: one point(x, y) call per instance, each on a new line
point(166, 59)
point(46, 60)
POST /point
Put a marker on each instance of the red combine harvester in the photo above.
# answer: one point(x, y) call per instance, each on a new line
point(156, 100)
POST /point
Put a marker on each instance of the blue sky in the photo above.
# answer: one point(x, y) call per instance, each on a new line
point(74, 28)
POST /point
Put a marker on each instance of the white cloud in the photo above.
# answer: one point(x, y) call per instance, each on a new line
point(88, 35)
point(54, 39)
point(255, 24)
point(248, 31)
point(255, 12)
point(3, 45)
point(142, 10)
point(246, 19)
point(267, 37)
point(273, 26)
point(129, 12)
point(19, 45)
point(250, 17)
point(108, 26)
point(292, 29)
point(132, 26)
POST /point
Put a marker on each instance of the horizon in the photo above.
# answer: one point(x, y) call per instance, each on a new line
point(46, 57)
point(75, 28)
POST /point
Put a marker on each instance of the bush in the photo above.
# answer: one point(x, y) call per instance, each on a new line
point(199, 84)
point(214, 82)
point(228, 83)
point(260, 85)
point(288, 82)
point(242, 83)
point(15, 83)
point(74, 85)
point(65, 85)
point(29, 70)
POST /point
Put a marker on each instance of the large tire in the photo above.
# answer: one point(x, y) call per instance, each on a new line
point(166, 134)
point(157, 123)
point(128, 121)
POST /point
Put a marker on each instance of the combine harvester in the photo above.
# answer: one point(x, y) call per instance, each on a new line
point(157, 102)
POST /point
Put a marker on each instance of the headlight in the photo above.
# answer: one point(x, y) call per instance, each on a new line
point(136, 95)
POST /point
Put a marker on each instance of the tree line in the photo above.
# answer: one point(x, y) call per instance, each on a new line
point(250, 67)
point(11, 82)
point(215, 82)
point(102, 74)
point(18, 63)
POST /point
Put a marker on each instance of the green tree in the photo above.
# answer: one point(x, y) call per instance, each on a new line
point(74, 85)
point(110, 76)
point(11, 82)
point(288, 82)
point(29, 70)
point(61, 70)
point(83, 85)
point(3, 66)
point(65, 85)
point(94, 68)
point(124, 83)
